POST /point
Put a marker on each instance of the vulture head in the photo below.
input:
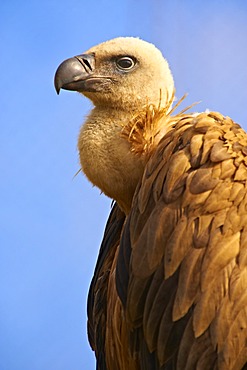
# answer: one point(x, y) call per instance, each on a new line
point(121, 77)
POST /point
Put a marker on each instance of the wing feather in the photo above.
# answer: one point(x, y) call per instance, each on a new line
point(178, 245)
point(188, 284)
point(189, 214)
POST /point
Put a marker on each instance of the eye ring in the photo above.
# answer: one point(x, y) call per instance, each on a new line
point(125, 63)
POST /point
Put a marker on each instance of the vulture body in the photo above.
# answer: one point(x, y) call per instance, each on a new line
point(170, 285)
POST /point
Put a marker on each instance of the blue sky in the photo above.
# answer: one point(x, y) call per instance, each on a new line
point(51, 224)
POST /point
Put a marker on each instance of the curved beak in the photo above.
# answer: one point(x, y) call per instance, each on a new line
point(73, 73)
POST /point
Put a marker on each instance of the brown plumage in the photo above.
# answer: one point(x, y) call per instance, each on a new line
point(170, 285)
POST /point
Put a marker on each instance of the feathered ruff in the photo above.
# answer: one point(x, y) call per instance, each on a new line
point(149, 125)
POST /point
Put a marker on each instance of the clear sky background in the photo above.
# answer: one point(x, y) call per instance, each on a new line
point(51, 224)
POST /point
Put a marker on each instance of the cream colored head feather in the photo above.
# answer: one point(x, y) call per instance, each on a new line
point(122, 77)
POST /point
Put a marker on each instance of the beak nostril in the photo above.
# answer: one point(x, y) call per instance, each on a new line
point(87, 63)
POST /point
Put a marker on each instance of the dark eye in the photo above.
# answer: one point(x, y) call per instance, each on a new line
point(125, 63)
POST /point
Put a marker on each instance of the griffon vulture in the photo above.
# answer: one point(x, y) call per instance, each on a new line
point(170, 285)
